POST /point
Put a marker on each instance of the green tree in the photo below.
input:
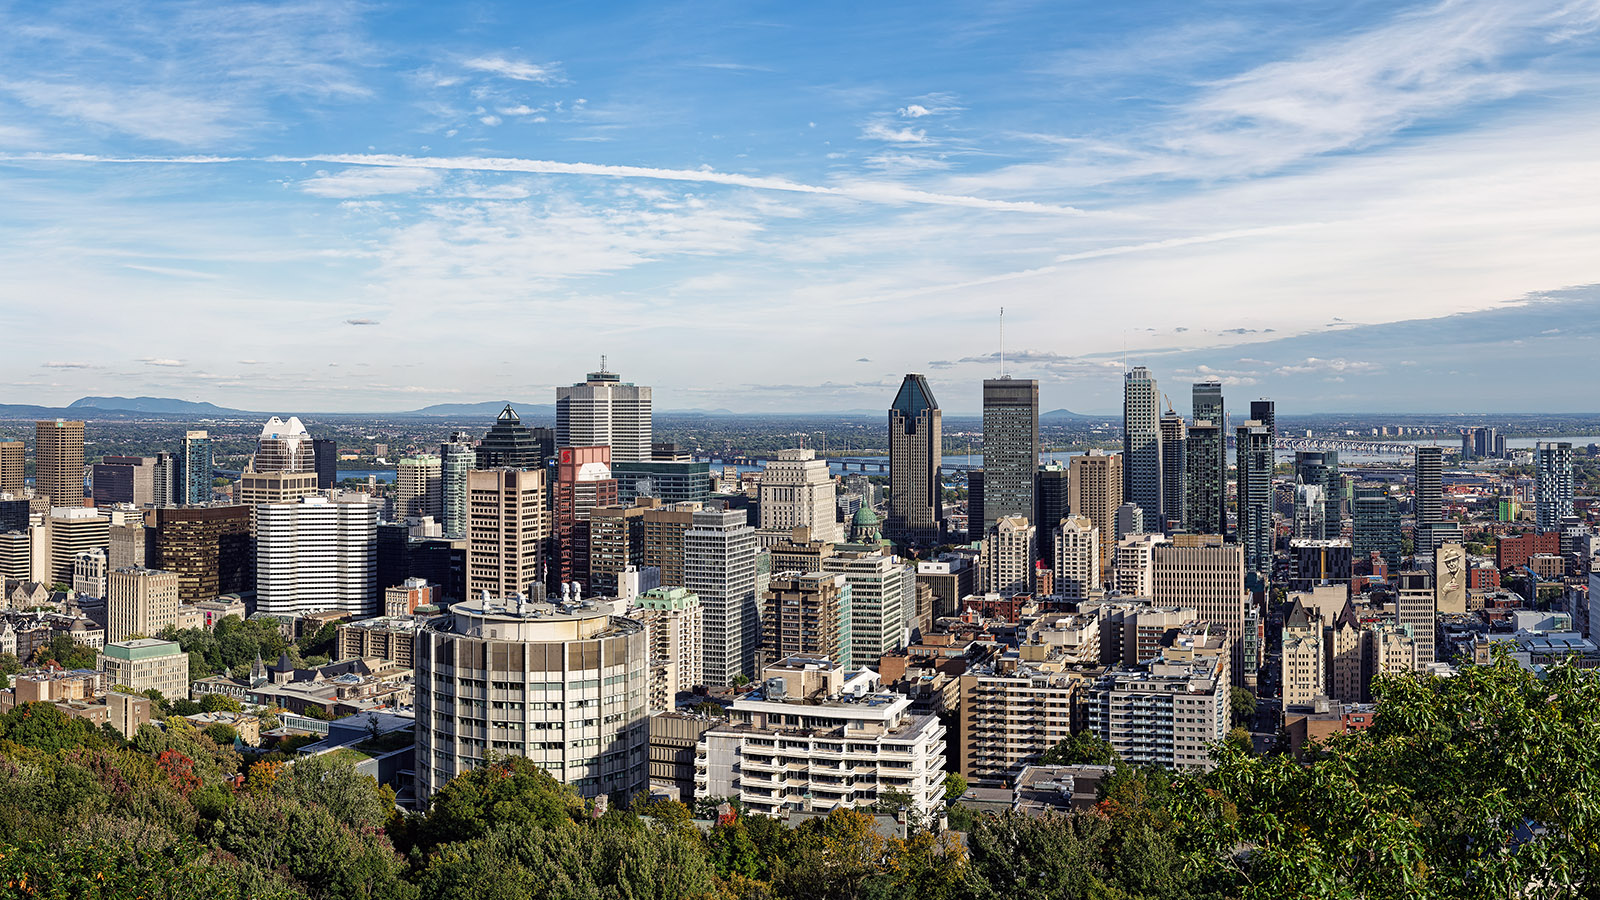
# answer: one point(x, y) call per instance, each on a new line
point(1242, 704)
point(1478, 785)
point(44, 727)
point(1082, 749)
point(67, 653)
point(955, 785)
point(352, 797)
point(1014, 855)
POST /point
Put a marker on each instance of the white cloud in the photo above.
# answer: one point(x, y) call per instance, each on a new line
point(1332, 367)
point(517, 70)
point(521, 109)
point(914, 111)
point(878, 131)
point(166, 363)
point(489, 120)
point(149, 113)
point(1353, 91)
point(54, 364)
point(367, 182)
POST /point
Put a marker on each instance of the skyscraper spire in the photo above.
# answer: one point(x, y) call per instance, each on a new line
point(1003, 342)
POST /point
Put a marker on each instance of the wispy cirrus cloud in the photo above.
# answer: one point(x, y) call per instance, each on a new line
point(517, 70)
point(868, 191)
point(143, 112)
point(368, 182)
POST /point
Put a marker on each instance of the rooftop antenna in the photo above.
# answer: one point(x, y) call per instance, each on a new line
point(602, 363)
point(1002, 342)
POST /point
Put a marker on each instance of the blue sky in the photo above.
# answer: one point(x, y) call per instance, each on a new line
point(768, 207)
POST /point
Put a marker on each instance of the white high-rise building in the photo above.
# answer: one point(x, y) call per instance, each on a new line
point(418, 488)
point(673, 622)
point(823, 742)
point(1008, 556)
point(719, 561)
point(313, 554)
point(1077, 562)
point(605, 411)
point(797, 491)
point(284, 447)
point(562, 684)
point(883, 596)
point(1136, 572)
point(456, 459)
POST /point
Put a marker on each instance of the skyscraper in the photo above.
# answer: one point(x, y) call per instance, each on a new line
point(1553, 502)
point(583, 484)
point(195, 462)
point(456, 458)
point(1208, 461)
point(883, 597)
point(806, 613)
point(312, 554)
point(720, 568)
point(284, 447)
point(511, 445)
point(1009, 552)
point(1054, 503)
point(124, 479)
point(12, 460)
point(1254, 449)
point(1321, 469)
point(1094, 491)
point(1174, 470)
point(58, 462)
point(507, 523)
point(208, 548)
point(418, 488)
point(140, 601)
point(1208, 577)
point(605, 411)
point(1010, 448)
point(1376, 525)
point(916, 508)
point(1077, 558)
point(325, 462)
point(797, 491)
point(1142, 471)
point(1266, 412)
point(1430, 486)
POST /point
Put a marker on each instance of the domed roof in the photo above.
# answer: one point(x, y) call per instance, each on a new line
point(865, 516)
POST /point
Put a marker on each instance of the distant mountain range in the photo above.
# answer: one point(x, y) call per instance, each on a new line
point(488, 409)
point(1067, 415)
point(170, 408)
point(153, 405)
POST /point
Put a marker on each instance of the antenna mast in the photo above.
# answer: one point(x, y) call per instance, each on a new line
point(1002, 342)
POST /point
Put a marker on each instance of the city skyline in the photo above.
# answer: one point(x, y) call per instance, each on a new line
point(296, 219)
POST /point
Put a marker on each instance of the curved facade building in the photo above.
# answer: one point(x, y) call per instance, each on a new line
point(563, 684)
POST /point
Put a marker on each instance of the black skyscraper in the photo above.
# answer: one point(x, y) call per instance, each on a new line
point(512, 445)
point(325, 459)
